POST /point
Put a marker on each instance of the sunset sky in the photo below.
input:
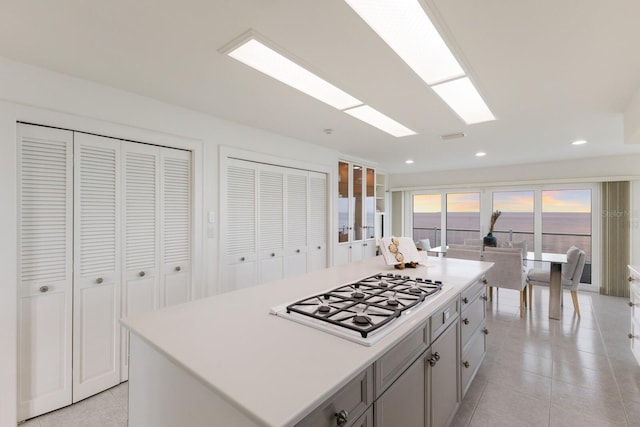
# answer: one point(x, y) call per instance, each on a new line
point(508, 201)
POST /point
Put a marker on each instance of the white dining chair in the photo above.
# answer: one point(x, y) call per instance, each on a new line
point(507, 271)
point(570, 277)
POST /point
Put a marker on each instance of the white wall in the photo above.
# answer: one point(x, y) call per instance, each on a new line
point(584, 170)
point(39, 96)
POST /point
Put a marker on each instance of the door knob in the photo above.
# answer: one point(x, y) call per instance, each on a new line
point(44, 288)
point(178, 268)
point(466, 364)
point(99, 280)
point(142, 274)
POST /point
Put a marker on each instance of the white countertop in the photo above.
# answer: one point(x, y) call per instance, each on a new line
point(270, 368)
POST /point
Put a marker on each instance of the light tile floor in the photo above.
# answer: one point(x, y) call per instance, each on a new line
point(106, 409)
point(542, 372)
point(538, 372)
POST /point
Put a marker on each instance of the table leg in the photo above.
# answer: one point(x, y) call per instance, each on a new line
point(555, 291)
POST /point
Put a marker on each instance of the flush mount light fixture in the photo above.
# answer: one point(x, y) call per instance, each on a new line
point(406, 28)
point(481, 154)
point(379, 120)
point(579, 142)
point(464, 99)
point(409, 161)
point(260, 56)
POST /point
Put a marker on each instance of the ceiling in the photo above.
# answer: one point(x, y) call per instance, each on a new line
point(552, 71)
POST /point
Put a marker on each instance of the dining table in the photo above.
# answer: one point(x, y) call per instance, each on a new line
point(555, 279)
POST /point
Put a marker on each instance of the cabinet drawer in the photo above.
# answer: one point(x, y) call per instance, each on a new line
point(472, 358)
point(472, 292)
point(395, 361)
point(353, 399)
point(365, 420)
point(443, 318)
point(470, 319)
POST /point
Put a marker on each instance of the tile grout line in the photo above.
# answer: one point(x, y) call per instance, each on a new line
point(615, 377)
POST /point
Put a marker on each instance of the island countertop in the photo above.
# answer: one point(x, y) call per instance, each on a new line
point(274, 370)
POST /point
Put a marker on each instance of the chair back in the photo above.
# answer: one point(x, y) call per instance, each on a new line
point(507, 271)
point(461, 253)
point(425, 244)
point(572, 270)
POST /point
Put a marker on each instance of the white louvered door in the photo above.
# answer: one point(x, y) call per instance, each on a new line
point(45, 269)
point(271, 222)
point(175, 220)
point(141, 228)
point(296, 240)
point(238, 247)
point(317, 221)
point(96, 299)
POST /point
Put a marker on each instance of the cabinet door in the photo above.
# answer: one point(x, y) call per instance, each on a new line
point(296, 240)
point(45, 269)
point(271, 222)
point(318, 209)
point(344, 197)
point(358, 186)
point(141, 183)
point(404, 402)
point(175, 226)
point(369, 227)
point(96, 296)
point(239, 244)
point(444, 379)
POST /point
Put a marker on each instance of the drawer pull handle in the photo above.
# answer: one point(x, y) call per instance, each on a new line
point(465, 300)
point(141, 274)
point(273, 254)
point(436, 355)
point(485, 331)
point(466, 364)
point(465, 321)
point(178, 268)
point(99, 280)
point(484, 280)
point(484, 297)
point(630, 279)
point(342, 418)
point(319, 247)
point(241, 258)
point(297, 251)
point(630, 336)
point(44, 288)
point(630, 304)
point(432, 361)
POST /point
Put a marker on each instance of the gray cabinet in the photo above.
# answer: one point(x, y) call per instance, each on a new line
point(404, 403)
point(443, 360)
point(634, 303)
point(473, 330)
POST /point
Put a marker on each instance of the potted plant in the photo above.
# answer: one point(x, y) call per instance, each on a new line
point(490, 239)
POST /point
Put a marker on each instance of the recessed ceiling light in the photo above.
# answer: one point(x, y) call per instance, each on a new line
point(409, 161)
point(406, 28)
point(579, 142)
point(266, 60)
point(257, 55)
point(481, 154)
point(464, 99)
point(379, 120)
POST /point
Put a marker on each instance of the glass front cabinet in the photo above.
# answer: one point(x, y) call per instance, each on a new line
point(356, 213)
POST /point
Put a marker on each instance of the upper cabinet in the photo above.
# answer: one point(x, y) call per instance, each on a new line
point(356, 212)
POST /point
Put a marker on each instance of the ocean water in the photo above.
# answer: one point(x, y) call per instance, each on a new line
point(560, 230)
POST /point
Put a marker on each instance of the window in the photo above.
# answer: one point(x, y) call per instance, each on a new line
point(517, 220)
point(463, 217)
point(427, 218)
point(566, 221)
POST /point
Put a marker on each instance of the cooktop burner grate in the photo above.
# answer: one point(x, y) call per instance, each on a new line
point(368, 304)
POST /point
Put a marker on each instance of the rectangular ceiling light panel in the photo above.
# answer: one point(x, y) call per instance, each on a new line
point(406, 28)
point(264, 59)
point(380, 121)
point(463, 98)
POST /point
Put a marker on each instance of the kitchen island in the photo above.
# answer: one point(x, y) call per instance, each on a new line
point(224, 360)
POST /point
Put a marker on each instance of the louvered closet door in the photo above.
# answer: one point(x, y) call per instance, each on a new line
point(141, 226)
point(45, 269)
point(296, 240)
point(96, 308)
point(317, 221)
point(271, 222)
point(175, 208)
point(238, 243)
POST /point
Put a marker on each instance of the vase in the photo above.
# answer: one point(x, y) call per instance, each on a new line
point(490, 240)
